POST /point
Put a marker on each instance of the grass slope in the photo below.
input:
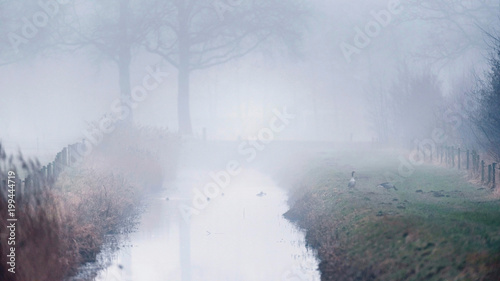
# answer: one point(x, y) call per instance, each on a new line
point(437, 226)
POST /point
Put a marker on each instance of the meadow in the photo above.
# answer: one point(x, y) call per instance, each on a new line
point(437, 225)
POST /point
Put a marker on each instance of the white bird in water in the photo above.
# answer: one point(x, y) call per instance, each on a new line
point(352, 182)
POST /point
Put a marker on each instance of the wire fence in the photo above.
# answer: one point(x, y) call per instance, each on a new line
point(64, 159)
point(477, 166)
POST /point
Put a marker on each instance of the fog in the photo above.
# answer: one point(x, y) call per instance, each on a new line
point(348, 73)
point(52, 95)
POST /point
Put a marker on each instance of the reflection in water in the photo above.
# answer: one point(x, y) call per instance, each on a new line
point(240, 235)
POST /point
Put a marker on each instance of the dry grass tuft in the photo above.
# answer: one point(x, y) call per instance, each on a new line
point(63, 224)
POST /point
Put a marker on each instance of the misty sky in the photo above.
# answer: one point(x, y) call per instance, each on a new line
point(47, 102)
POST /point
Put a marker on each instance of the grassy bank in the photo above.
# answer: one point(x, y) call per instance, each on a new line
point(436, 226)
point(63, 224)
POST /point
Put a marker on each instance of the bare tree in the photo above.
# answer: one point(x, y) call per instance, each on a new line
point(456, 26)
point(486, 116)
point(112, 29)
point(380, 112)
point(22, 34)
point(417, 97)
point(202, 34)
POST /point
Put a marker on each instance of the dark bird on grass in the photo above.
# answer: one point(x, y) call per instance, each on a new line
point(387, 186)
point(352, 182)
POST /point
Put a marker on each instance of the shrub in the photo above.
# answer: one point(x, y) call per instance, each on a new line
point(41, 253)
point(144, 155)
point(486, 117)
point(62, 224)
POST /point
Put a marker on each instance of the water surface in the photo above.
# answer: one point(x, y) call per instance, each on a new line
point(240, 235)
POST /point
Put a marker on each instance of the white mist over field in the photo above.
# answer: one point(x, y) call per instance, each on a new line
point(264, 83)
point(328, 79)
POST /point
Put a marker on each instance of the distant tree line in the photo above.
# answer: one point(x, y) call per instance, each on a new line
point(485, 115)
point(406, 110)
point(187, 34)
point(413, 107)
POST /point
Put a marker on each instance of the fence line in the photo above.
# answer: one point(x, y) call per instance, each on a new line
point(65, 158)
point(454, 157)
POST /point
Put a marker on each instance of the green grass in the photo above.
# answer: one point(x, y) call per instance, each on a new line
point(449, 230)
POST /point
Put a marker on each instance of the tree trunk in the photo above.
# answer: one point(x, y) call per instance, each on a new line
point(124, 80)
point(124, 59)
point(183, 109)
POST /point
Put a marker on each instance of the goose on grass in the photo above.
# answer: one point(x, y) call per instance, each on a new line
point(387, 186)
point(352, 182)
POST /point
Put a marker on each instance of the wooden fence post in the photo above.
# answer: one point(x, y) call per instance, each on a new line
point(453, 157)
point(44, 172)
point(50, 172)
point(59, 162)
point(441, 153)
point(55, 166)
point(467, 159)
point(478, 162)
point(475, 164)
point(27, 182)
point(55, 169)
point(494, 167)
point(482, 170)
point(71, 154)
point(489, 173)
point(64, 157)
point(438, 152)
point(473, 161)
point(448, 156)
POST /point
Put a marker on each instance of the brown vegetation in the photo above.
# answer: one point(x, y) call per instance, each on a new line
point(62, 224)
